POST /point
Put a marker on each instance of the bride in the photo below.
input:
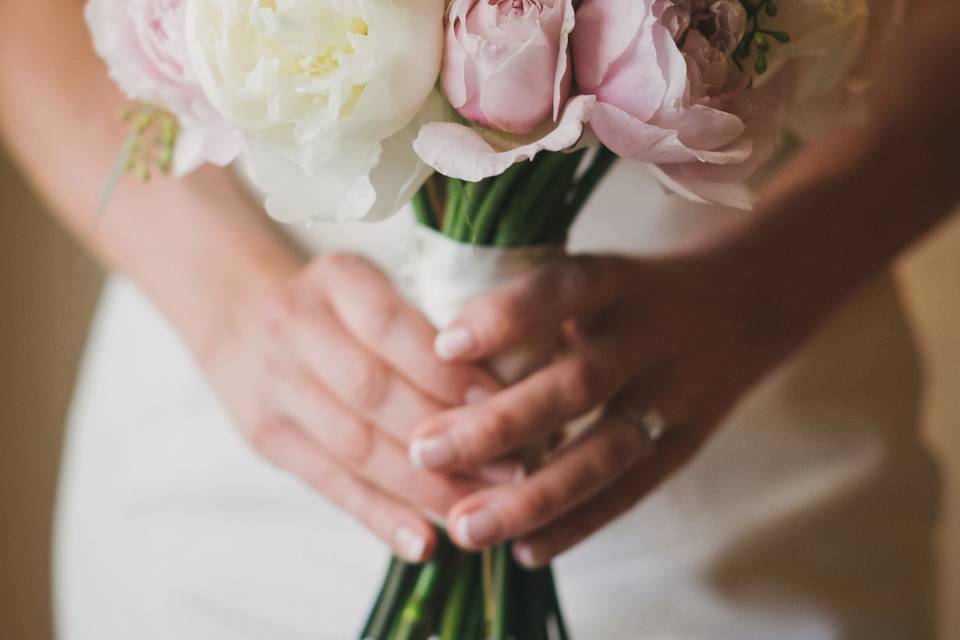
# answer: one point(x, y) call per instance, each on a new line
point(237, 454)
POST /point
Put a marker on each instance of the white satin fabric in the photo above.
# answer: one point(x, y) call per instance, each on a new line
point(807, 517)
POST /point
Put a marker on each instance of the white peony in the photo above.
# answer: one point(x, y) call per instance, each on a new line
point(332, 92)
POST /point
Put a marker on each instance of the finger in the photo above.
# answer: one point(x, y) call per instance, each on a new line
point(399, 526)
point(673, 452)
point(533, 305)
point(358, 377)
point(578, 472)
point(541, 404)
point(381, 319)
point(358, 444)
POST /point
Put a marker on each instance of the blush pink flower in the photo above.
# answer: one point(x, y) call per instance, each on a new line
point(144, 45)
point(506, 70)
point(669, 93)
point(505, 63)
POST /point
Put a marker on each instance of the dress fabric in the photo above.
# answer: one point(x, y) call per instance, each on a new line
point(807, 517)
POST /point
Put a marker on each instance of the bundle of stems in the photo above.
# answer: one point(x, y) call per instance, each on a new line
point(532, 203)
point(459, 595)
point(455, 596)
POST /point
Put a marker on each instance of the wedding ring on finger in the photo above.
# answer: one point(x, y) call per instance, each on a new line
point(651, 424)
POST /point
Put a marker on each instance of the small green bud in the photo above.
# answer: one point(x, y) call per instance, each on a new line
point(771, 8)
point(761, 64)
point(780, 36)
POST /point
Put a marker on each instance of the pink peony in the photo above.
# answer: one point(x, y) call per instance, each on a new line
point(144, 45)
point(669, 93)
point(506, 70)
point(505, 63)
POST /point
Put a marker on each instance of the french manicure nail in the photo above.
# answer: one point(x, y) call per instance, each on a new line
point(502, 472)
point(432, 453)
point(476, 395)
point(453, 343)
point(477, 529)
point(410, 544)
point(524, 555)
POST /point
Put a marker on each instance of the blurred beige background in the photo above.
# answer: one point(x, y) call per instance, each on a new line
point(47, 293)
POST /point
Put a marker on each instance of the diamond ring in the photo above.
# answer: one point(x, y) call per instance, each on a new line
point(651, 423)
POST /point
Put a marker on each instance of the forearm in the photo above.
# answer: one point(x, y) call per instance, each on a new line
point(850, 204)
point(197, 246)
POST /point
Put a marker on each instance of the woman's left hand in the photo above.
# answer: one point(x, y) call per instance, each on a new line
point(677, 338)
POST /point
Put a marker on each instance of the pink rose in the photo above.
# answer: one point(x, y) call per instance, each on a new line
point(506, 70)
point(505, 65)
point(144, 45)
point(670, 94)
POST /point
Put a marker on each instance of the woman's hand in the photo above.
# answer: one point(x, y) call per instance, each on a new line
point(682, 336)
point(327, 375)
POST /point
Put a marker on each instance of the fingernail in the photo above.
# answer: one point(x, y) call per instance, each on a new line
point(477, 529)
point(410, 544)
point(453, 343)
point(503, 472)
point(476, 395)
point(524, 555)
point(433, 453)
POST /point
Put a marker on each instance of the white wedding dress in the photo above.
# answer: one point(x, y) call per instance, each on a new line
point(807, 517)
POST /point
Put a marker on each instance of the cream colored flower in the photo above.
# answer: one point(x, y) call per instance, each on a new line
point(322, 87)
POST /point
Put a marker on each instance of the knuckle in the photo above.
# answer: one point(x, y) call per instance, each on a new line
point(536, 504)
point(579, 384)
point(261, 435)
point(369, 384)
point(278, 312)
point(495, 434)
point(329, 480)
point(496, 318)
point(336, 262)
point(381, 316)
point(358, 442)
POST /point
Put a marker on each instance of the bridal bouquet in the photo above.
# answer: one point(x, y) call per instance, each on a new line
point(496, 119)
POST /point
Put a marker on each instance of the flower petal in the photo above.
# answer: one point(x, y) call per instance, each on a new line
point(604, 32)
point(632, 138)
point(461, 152)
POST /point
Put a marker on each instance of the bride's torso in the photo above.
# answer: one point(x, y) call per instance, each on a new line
point(807, 516)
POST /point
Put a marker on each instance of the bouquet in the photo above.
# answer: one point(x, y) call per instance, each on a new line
point(496, 120)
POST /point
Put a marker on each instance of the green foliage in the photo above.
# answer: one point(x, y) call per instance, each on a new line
point(756, 40)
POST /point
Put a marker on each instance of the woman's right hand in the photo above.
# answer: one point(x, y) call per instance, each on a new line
point(327, 375)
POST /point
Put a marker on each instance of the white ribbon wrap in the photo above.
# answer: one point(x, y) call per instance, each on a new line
point(446, 274)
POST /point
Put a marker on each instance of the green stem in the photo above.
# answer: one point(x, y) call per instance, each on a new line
point(555, 608)
point(463, 591)
point(532, 585)
point(473, 193)
point(422, 209)
point(454, 194)
point(517, 226)
point(413, 611)
point(474, 627)
point(501, 571)
point(421, 607)
point(489, 588)
point(549, 215)
point(395, 588)
point(491, 207)
point(601, 165)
